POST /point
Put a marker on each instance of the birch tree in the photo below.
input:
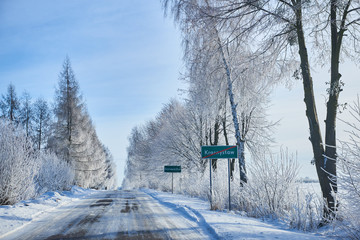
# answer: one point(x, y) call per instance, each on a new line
point(207, 40)
point(285, 29)
point(202, 35)
point(206, 93)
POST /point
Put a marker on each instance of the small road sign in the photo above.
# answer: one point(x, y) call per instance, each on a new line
point(172, 168)
point(216, 152)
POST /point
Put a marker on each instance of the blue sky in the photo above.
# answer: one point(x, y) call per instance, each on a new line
point(127, 59)
point(125, 55)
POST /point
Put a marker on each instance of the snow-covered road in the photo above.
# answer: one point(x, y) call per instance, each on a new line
point(136, 214)
point(112, 215)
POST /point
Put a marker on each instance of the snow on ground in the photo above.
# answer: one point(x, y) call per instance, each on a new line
point(14, 216)
point(225, 225)
point(220, 224)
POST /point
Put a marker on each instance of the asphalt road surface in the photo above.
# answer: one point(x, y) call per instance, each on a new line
point(112, 215)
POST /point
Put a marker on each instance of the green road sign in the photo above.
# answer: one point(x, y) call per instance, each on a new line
point(215, 152)
point(172, 169)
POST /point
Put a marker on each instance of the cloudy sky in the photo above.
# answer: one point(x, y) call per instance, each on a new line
point(127, 60)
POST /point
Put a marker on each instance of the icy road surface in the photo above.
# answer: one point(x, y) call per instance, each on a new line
point(112, 215)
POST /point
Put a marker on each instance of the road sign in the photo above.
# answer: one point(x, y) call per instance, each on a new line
point(215, 152)
point(172, 169)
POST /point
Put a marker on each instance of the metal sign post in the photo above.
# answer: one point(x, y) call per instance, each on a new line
point(211, 205)
point(229, 183)
point(218, 152)
point(172, 183)
point(172, 169)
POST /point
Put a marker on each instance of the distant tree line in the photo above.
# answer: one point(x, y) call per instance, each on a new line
point(51, 144)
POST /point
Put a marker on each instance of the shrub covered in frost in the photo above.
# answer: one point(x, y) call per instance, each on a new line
point(272, 191)
point(54, 174)
point(18, 164)
point(26, 172)
point(270, 188)
point(349, 177)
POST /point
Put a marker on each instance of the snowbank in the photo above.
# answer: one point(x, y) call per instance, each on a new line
point(14, 216)
point(228, 225)
point(219, 224)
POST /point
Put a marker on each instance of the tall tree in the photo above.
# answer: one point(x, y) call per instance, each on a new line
point(133, 173)
point(68, 110)
point(211, 53)
point(283, 27)
point(110, 179)
point(42, 120)
point(26, 113)
point(74, 137)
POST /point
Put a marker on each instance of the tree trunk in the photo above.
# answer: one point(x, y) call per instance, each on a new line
point(332, 105)
point(232, 162)
point(40, 133)
point(239, 141)
point(216, 141)
point(321, 162)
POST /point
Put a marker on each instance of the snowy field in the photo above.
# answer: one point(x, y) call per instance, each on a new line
point(311, 187)
point(220, 224)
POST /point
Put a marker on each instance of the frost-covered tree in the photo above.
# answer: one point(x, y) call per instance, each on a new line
point(26, 172)
point(134, 175)
point(110, 178)
point(207, 92)
point(283, 31)
point(180, 135)
point(18, 164)
point(42, 118)
point(349, 175)
point(87, 155)
point(73, 137)
point(26, 113)
point(217, 84)
point(68, 112)
point(10, 105)
point(147, 154)
point(54, 174)
point(229, 78)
